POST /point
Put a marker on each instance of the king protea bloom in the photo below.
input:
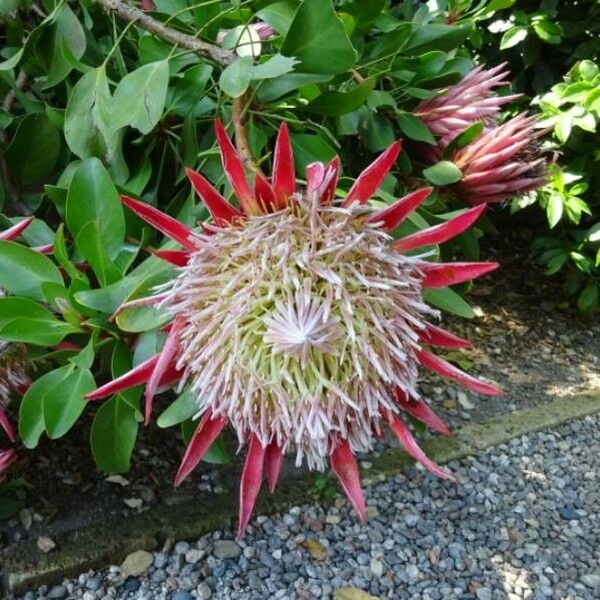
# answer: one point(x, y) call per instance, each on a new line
point(502, 163)
point(299, 321)
point(459, 106)
point(13, 366)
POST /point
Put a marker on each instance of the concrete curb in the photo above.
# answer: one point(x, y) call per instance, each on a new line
point(107, 543)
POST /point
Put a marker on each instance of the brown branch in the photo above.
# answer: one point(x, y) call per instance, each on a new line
point(219, 55)
point(145, 21)
point(238, 110)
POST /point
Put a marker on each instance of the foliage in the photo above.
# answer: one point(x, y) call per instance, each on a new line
point(96, 107)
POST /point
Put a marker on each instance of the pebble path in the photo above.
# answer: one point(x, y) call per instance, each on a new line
point(523, 522)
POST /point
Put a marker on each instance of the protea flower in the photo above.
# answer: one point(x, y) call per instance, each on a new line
point(13, 366)
point(298, 320)
point(504, 162)
point(472, 99)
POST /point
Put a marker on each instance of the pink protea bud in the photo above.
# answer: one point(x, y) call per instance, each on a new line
point(472, 99)
point(504, 162)
point(299, 321)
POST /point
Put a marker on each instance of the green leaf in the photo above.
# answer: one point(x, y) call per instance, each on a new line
point(31, 412)
point(23, 320)
point(89, 118)
point(414, 128)
point(272, 89)
point(33, 150)
point(310, 148)
point(549, 32)
point(443, 173)
point(318, 39)
point(217, 454)
point(448, 300)
point(139, 98)
point(512, 37)
point(23, 270)
point(89, 243)
point(64, 403)
point(113, 435)
point(93, 197)
point(593, 234)
point(438, 36)
point(279, 15)
point(588, 299)
point(472, 132)
point(554, 210)
point(236, 77)
point(334, 104)
point(185, 407)
point(66, 33)
point(276, 66)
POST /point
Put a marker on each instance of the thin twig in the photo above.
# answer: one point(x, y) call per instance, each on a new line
point(145, 21)
point(238, 112)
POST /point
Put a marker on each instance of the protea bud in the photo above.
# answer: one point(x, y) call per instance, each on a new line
point(299, 320)
point(472, 99)
point(503, 162)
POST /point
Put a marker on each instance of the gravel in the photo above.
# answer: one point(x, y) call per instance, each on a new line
point(522, 523)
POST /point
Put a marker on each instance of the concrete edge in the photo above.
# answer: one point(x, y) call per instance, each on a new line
point(99, 545)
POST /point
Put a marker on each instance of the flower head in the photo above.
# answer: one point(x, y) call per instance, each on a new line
point(299, 320)
point(459, 106)
point(504, 162)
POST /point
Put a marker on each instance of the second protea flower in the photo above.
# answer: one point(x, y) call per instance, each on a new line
point(298, 320)
point(503, 162)
point(459, 106)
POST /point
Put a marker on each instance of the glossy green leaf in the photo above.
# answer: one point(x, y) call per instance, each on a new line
point(183, 408)
point(448, 300)
point(23, 320)
point(236, 77)
point(310, 148)
point(276, 66)
point(64, 403)
point(316, 27)
point(414, 128)
point(23, 270)
point(512, 37)
point(443, 173)
point(113, 434)
point(90, 244)
point(93, 197)
point(334, 104)
point(139, 97)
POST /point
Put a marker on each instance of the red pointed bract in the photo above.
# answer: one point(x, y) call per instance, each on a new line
point(166, 357)
point(445, 274)
point(315, 172)
point(6, 425)
point(421, 411)
point(7, 458)
point(234, 169)
point(334, 168)
point(445, 369)
point(395, 213)
point(370, 179)
point(179, 258)
point(273, 461)
point(222, 212)
point(345, 467)
point(436, 336)
point(409, 443)
point(206, 433)
point(250, 482)
point(12, 233)
point(265, 197)
point(45, 249)
point(137, 376)
point(164, 223)
point(441, 233)
point(284, 176)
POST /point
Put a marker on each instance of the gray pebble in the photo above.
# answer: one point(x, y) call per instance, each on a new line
point(226, 549)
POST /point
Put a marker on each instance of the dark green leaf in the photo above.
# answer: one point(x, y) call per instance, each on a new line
point(443, 173)
point(448, 300)
point(472, 132)
point(33, 150)
point(414, 128)
point(235, 78)
point(316, 27)
point(310, 148)
point(276, 66)
point(334, 104)
point(23, 270)
point(185, 407)
point(89, 243)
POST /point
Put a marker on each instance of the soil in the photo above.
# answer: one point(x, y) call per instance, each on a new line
point(524, 339)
